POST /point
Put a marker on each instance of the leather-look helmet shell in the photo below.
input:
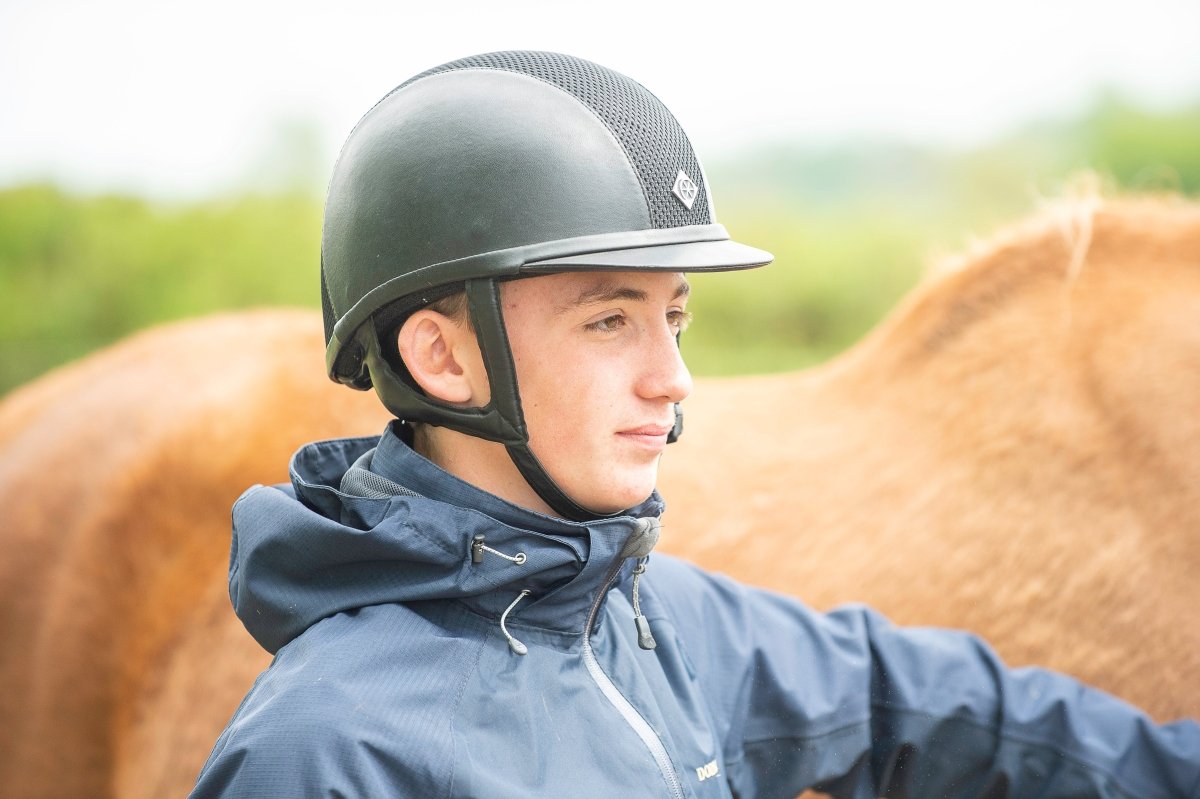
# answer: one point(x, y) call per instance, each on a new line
point(482, 166)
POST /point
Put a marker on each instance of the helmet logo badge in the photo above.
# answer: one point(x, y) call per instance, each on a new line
point(685, 190)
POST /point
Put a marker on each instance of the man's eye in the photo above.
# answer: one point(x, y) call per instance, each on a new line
point(679, 320)
point(608, 324)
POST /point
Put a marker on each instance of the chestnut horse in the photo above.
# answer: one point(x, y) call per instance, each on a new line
point(1016, 451)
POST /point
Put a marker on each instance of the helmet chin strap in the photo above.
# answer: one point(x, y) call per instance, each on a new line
point(531, 469)
point(483, 299)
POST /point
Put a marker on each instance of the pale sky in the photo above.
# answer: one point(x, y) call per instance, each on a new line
point(178, 100)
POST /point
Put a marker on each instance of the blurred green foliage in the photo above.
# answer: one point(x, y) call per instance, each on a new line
point(855, 225)
point(852, 227)
point(77, 273)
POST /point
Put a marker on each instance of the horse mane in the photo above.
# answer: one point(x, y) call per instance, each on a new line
point(1051, 250)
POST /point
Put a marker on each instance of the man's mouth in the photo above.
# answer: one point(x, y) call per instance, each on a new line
point(652, 436)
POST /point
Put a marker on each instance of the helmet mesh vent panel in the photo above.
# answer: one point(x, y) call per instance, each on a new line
point(651, 137)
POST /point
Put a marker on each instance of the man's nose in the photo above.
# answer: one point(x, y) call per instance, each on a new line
point(664, 374)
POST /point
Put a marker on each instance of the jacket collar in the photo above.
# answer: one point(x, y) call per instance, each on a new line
point(295, 563)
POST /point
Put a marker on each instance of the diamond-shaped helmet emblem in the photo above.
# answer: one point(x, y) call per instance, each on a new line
point(685, 190)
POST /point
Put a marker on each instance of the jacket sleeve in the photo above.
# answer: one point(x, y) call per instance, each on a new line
point(850, 704)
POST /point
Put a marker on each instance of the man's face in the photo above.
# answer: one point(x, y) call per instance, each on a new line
point(599, 373)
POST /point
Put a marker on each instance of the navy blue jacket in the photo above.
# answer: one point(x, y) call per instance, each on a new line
point(396, 671)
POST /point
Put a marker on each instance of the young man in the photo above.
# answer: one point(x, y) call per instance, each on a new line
point(462, 607)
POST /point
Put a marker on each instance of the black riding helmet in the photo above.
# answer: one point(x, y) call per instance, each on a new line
point(494, 167)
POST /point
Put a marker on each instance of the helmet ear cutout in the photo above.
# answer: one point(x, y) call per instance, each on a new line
point(499, 420)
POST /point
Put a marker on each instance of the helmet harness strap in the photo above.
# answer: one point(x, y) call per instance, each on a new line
point(500, 420)
point(483, 298)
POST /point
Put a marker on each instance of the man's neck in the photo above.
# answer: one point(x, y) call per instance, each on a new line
point(484, 464)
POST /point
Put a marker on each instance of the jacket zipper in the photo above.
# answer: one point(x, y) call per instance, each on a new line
point(632, 717)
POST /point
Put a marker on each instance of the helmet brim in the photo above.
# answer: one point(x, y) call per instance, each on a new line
point(695, 256)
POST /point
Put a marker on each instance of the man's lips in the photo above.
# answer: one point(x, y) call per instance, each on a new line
point(649, 430)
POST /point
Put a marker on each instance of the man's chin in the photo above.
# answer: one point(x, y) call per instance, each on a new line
point(616, 502)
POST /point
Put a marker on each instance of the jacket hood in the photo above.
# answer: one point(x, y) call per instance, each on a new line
point(308, 550)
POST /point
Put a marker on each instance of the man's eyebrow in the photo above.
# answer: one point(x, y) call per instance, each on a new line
point(608, 291)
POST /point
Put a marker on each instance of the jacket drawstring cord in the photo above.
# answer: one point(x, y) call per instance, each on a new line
point(516, 646)
point(478, 548)
point(639, 545)
point(645, 637)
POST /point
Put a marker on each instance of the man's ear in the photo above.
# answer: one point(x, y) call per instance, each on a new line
point(443, 357)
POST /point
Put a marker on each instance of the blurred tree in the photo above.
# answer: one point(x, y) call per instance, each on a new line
point(79, 272)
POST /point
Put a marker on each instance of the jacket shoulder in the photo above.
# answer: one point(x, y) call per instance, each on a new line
point(331, 715)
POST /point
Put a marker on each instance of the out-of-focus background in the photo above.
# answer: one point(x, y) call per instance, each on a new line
point(162, 160)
